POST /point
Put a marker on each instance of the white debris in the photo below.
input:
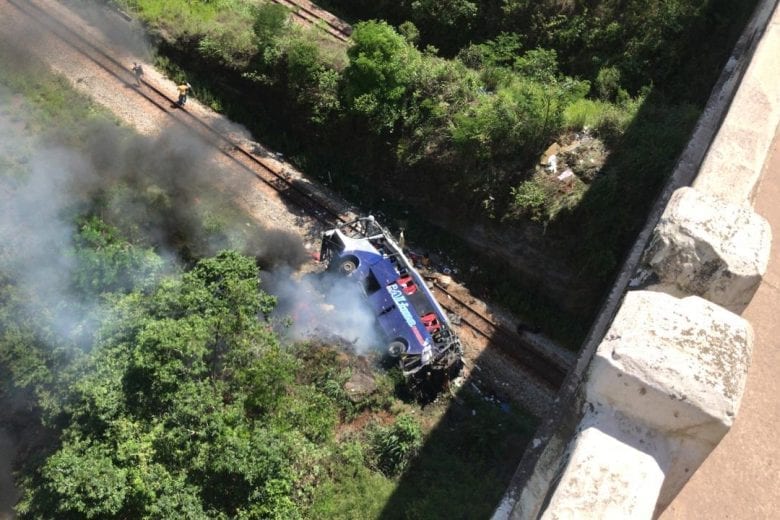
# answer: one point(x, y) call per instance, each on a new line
point(567, 173)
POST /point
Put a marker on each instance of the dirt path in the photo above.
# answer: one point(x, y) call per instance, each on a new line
point(741, 478)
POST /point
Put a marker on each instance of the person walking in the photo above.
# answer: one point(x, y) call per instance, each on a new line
point(183, 89)
point(138, 71)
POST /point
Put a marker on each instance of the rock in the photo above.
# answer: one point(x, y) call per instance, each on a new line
point(360, 386)
point(709, 248)
point(585, 158)
point(553, 149)
point(444, 280)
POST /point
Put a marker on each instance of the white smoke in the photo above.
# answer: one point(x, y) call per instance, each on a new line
point(35, 231)
point(325, 307)
point(126, 34)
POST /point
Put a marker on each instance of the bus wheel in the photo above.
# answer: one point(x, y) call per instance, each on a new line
point(347, 266)
point(396, 348)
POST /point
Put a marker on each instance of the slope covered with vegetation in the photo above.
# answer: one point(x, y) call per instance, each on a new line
point(140, 373)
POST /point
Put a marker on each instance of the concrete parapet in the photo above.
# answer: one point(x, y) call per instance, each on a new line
point(733, 166)
point(623, 485)
point(661, 392)
point(709, 248)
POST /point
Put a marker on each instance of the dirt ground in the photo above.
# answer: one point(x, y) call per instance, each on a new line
point(487, 366)
point(741, 478)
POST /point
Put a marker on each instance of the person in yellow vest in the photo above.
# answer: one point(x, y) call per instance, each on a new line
point(183, 90)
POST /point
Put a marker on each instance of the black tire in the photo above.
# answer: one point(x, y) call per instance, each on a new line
point(347, 266)
point(396, 348)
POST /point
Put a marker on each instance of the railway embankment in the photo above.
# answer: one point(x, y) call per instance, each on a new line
point(660, 379)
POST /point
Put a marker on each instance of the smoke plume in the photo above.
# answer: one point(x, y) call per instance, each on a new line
point(324, 307)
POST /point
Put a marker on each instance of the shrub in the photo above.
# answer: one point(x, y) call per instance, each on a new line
point(608, 83)
point(394, 446)
point(530, 198)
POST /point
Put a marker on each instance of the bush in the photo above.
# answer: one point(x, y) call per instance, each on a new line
point(309, 412)
point(530, 198)
point(230, 41)
point(394, 446)
point(608, 83)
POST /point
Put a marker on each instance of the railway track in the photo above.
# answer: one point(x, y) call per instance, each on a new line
point(272, 174)
point(310, 15)
point(509, 342)
point(267, 171)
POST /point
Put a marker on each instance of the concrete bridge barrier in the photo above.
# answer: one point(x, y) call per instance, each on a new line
point(661, 374)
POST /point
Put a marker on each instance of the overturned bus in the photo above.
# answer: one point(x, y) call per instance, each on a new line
point(416, 328)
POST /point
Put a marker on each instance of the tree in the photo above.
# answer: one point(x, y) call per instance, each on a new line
point(162, 422)
point(446, 12)
point(270, 23)
point(107, 263)
point(382, 69)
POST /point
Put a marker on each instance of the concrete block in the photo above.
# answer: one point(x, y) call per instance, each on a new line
point(615, 470)
point(676, 366)
point(661, 392)
point(710, 248)
point(734, 164)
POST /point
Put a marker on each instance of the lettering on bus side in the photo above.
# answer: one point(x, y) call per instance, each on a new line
point(403, 306)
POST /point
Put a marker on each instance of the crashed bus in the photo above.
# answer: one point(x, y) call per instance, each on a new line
point(415, 327)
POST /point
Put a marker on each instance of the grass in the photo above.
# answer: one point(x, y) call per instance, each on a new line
point(589, 113)
point(48, 101)
point(187, 17)
point(472, 447)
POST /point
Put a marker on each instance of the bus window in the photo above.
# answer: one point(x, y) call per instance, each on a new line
point(370, 284)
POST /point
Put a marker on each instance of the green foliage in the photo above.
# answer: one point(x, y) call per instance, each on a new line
point(316, 86)
point(310, 412)
point(267, 382)
point(394, 446)
point(608, 83)
point(154, 397)
point(355, 491)
point(86, 479)
point(607, 119)
point(540, 64)
point(230, 40)
point(517, 118)
point(450, 13)
point(380, 74)
point(270, 23)
point(106, 263)
point(409, 31)
point(531, 198)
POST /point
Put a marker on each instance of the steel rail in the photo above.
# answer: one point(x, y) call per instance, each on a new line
point(507, 333)
point(509, 343)
point(314, 17)
point(317, 208)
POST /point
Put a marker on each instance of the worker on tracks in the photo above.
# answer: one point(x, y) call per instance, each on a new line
point(138, 71)
point(183, 90)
